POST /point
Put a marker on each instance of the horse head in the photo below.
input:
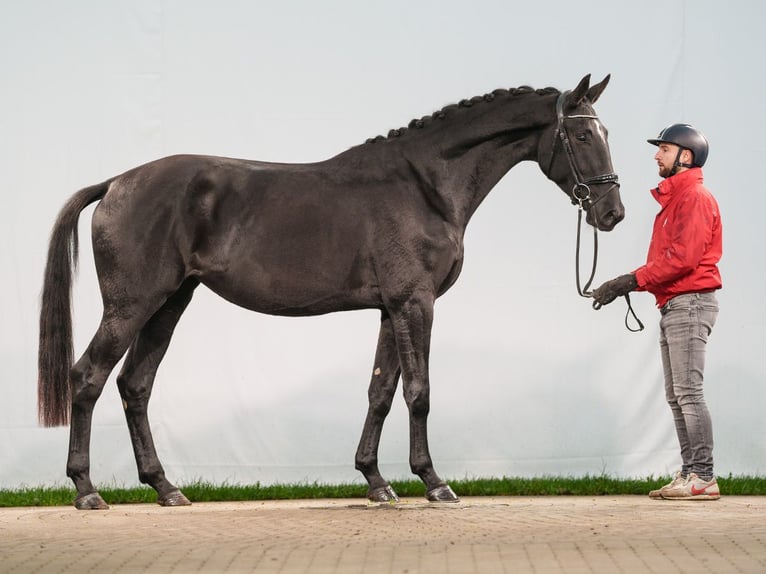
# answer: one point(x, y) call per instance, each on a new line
point(578, 158)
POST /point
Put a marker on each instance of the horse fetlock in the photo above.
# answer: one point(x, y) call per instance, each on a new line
point(78, 470)
point(155, 479)
point(368, 466)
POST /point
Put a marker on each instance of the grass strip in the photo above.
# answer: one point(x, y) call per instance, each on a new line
point(200, 491)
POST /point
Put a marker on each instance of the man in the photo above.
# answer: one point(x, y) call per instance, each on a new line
point(681, 272)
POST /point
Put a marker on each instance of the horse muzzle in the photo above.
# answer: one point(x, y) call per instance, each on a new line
point(603, 211)
point(607, 217)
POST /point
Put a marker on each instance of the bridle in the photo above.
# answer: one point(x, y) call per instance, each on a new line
point(581, 197)
point(581, 189)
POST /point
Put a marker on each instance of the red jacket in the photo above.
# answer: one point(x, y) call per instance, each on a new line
point(686, 241)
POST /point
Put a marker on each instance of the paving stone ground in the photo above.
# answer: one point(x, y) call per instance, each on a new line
point(512, 535)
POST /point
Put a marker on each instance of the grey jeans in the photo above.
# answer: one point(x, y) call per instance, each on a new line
point(687, 321)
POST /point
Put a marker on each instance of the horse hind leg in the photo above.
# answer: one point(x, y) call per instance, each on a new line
point(87, 379)
point(135, 383)
point(380, 396)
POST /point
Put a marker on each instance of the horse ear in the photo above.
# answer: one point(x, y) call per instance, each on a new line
point(595, 91)
point(579, 93)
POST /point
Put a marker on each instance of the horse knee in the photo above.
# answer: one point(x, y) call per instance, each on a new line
point(418, 401)
point(132, 392)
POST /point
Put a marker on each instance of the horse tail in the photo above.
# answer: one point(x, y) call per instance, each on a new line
point(56, 348)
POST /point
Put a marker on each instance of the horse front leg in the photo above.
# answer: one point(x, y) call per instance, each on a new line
point(380, 396)
point(412, 331)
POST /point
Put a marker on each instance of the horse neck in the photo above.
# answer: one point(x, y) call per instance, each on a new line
point(459, 162)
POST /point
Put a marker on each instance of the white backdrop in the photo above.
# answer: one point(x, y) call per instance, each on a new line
point(527, 379)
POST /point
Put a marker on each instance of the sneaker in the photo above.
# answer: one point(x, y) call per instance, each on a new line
point(678, 480)
point(693, 488)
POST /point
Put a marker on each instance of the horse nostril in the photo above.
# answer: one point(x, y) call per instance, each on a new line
point(610, 219)
point(614, 217)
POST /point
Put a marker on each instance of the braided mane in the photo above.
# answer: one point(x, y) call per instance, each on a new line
point(466, 103)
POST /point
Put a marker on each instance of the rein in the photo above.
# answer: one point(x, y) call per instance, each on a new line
point(581, 198)
point(585, 291)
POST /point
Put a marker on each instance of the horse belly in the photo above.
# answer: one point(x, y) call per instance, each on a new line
point(297, 274)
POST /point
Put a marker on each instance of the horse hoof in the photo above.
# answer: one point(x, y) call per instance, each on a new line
point(442, 493)
point(382, 494)
point(92, 501)
point(174, 498)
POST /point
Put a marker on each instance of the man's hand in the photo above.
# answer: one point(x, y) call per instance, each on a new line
point(610, 290)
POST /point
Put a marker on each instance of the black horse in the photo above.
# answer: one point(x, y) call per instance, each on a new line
point(380, 225)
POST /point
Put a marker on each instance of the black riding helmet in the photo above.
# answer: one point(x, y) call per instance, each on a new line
point(685, 137)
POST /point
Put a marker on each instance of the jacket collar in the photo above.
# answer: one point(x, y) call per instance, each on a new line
point(670, 187)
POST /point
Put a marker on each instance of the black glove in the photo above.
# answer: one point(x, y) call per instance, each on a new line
point(610, 290)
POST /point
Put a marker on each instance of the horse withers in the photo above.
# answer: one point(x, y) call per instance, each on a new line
point(380, 225)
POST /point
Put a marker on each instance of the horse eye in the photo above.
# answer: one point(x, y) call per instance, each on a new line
point(581, 137)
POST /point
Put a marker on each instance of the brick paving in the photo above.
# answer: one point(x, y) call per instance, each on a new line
point(511, 535)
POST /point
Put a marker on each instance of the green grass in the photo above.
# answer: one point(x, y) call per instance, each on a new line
point(507, 486)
